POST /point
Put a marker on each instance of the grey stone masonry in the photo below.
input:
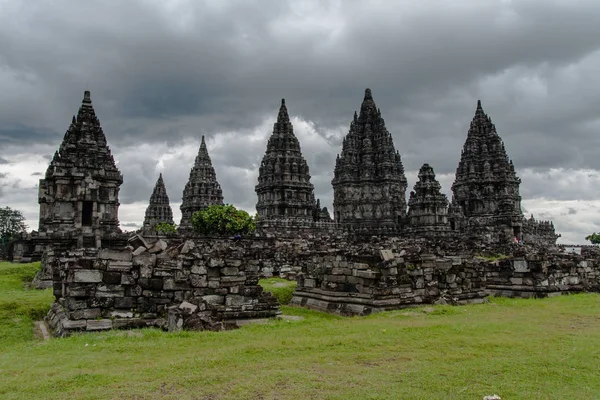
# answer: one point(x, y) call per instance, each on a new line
point(201, 190)
point(172, 286)
point(427, 205)
point(369, 185)
point(79, 195)
point(284, 189)
point(486, 187)
point(159, 209)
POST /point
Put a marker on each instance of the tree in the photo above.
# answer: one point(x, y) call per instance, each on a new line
point(164, 228)
point(11, 224)
point(222, 220)
point(594, 238)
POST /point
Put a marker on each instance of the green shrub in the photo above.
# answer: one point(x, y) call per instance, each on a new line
point(164, 228)
point(223, 220)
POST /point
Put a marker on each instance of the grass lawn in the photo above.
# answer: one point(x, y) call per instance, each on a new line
point(518, 349)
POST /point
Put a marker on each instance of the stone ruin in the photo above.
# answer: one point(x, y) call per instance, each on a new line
point(377, 253)
point(159, 209)
point(369, 184)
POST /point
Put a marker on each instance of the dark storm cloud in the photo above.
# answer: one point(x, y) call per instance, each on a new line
point(4, 161)
point(162, 73)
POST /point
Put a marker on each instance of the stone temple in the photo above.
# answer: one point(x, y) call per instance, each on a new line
point(79, 195)
point(202, 189)
point(369, 185)
point(486, 196)
point(375, 255)
point(159, 210)
point(427, 205)
point(284, 189)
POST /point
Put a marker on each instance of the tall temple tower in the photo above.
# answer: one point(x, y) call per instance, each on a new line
point(486, 188)
point(79, 195)
point(369, 185)
point(427, 205)
point(284, 189)
point(201, 190)
point(159, 209)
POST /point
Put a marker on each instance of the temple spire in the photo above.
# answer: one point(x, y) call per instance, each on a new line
point(159, 209)
point(201, 190)
point(284, 189)
point(369, 166)
point(283, 116)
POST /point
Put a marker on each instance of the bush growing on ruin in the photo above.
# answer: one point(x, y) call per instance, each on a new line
point(223, 220)
point(164, 228)
point(594, 238)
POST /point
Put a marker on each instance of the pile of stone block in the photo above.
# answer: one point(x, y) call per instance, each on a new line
point(145, 283)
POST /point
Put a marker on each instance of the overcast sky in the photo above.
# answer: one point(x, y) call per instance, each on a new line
point(164, 72)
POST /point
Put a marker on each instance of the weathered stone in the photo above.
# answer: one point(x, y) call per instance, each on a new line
point(87, 276)
point(97, 325)
point(158, 210)
point(386, 255)
point(188, 307)
point(369, 184)
point(284, 190)
point(201, 190)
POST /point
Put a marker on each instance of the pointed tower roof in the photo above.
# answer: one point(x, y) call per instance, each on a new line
point(485, 175)
point(284, 187)
point(368, 151)
point(159, 208)
point(84, 145)
point(369, 184)
point(202, 189)
point(428, 206)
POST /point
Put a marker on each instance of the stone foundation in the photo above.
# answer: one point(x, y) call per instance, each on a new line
point(169, 287)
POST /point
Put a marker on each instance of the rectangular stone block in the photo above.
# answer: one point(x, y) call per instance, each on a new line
point(112, 278)
point(121, 314)
point(124, 302)
point(72, 325)
point(99, 324)
point(230, 271)
point(234, 301)
point(115, 255)
point(213, 299)
point(87, 276)
point(365, 274)
point(198, 280)
point(88, 313)
point(121, 266)
point(127, 279)
point(198, 269)
point(521, 266)
point(80, 290)
point(110, 291)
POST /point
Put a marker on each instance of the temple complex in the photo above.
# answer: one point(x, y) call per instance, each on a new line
point(159, 210)
point(201, 190)
point(79, 194)
point(284, 190)
point(486, 189)
point(369, 185)
point(427, 205)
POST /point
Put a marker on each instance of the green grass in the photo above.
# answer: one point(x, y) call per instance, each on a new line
point(282, 289)
point(19, 307)
point(518, 349)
